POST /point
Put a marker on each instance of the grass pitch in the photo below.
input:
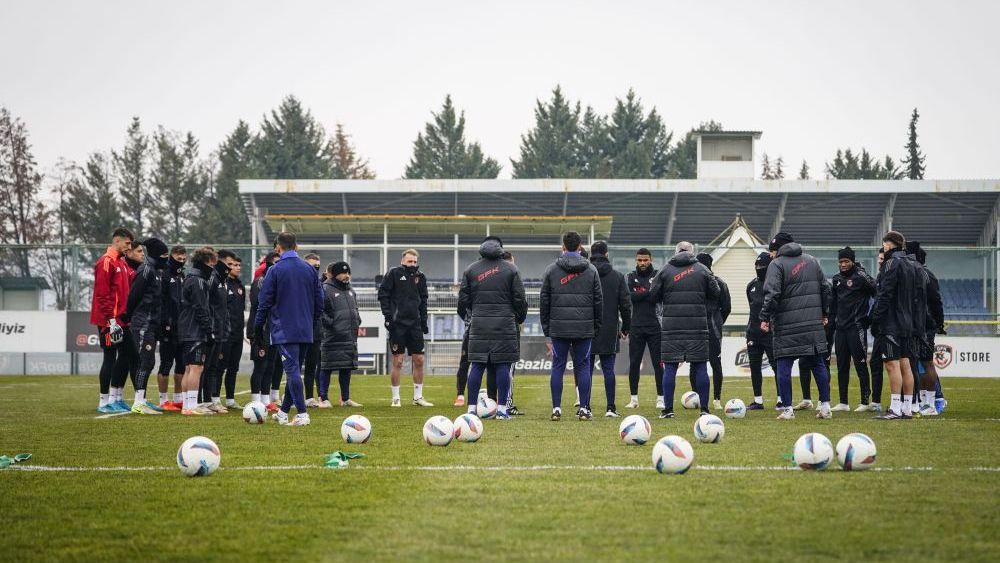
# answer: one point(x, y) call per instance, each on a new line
point(530, 489)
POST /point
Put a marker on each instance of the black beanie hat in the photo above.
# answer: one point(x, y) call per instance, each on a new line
point(706, 259)
point(913, 247)
point(846, 252)
point(341, 268)
point(763, 261)
point(155, 247)
point(493, 237)
point(779, 240)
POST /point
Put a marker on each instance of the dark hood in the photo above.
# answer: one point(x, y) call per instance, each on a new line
point(790, 249)
point(602, 264)
point(572, 263)
point(222, 269)
point(683, 259)
point(157, 262)
point(491, 249)
point(203, 270)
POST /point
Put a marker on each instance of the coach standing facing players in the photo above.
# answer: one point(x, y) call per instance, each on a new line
point(794, 302)
point(758, 341)
point(291, 299)
point(403, 298)
point(570, 307)
point(492, 298)
point(645, 329)
point(683, 288)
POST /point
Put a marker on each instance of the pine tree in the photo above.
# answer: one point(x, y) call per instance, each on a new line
point(179, 185)
point(779, 168)
point(441, 151)
point(804, 171)
point(890, 170)
point(90, 210)
point(766, 173)
point(24, 219)
point(593, 153)
point(866, 169)
point(132, 175)
point(291, 144)
point(914, 159)
point(638, 144)
point(552, 149)
point(223, 219)
point(345, 164)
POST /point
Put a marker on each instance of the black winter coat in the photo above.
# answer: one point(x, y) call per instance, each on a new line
point(571, 302)
point(218, 302)
point(796, 297)
point(719, 309)
point(195, 321)
point(145, 297)
point(403, 297)
point(340, 321)
point(644, 313)
point(852, 291)
point(170, 308)
point(492, 301)
point(617, 311)
point(755, 297)
point(935, 306)
point(892, 313)
point(683, 287)
point(236, 304)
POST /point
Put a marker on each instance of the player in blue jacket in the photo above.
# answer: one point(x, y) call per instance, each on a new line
point(291, 299)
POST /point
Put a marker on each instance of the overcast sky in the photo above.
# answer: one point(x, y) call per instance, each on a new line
point(813, 76)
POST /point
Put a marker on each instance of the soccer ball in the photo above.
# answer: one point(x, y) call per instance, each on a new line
point(438, 431)
point(356, 429)
point(855, 452)
point(255, 413)
point(486, 407)
point(690, 400)
point(468, 428)
point(813, 451)
point(736, 408)
point(634, 430)
point(198, 457)
point(672, 454)
point(709, 429)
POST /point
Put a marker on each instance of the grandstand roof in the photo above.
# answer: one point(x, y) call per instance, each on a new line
point(651, 212)
point(549, 225)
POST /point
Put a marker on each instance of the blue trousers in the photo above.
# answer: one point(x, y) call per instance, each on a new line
point(293, 356)
point(323, 383)
point(820, 372)
point(701, 384)
point(608, 367)
point(476, 371)
point(561, 348)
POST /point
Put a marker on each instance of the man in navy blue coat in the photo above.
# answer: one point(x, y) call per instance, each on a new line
point(291, 298)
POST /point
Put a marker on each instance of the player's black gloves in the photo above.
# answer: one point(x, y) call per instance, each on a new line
point(388, 325)
point(425, 328)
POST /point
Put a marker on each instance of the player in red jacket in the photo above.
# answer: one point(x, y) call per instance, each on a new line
point(111, 286)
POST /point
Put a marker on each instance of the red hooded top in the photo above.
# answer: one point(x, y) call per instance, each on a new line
point(111, 285)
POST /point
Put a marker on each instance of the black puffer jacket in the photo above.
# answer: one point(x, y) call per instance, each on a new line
point(644, 310)
point(403, 296)
point(236, 305)
point(571, 303)
point(491, 299)
point(719, 309)
point(617, 311)
point(194, 323)
point(145, 296)
point(852, 291)
point(935, 306)
point(795, 300)
point(892, 313)
point(341, 322)
point(684, 287)
point(170, 309)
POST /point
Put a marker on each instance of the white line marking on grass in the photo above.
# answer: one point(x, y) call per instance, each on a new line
point(112, 415)
point(487, 468)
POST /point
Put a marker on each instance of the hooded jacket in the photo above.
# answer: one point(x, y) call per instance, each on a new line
point(252, 317)
point(755, 297)
point(340, 322)
point(892, 314)
point(683, 288)
point(852, 291)
point(491, 300)
point(719, 309)
point(195, 321)
point(218, 302)
point(570, 303)
point(796, 297)
point(170, 309)
point(291, 298)
point(145, 297)
point(935, 306)
point(616, 314)
point(402, 296)
point(644, 313)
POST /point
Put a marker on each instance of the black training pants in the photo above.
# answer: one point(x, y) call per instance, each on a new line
point(755, 353)
point(128, 358)
point(852, 344)
point(639, 339)
point(311, 368)
point(145, 357)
